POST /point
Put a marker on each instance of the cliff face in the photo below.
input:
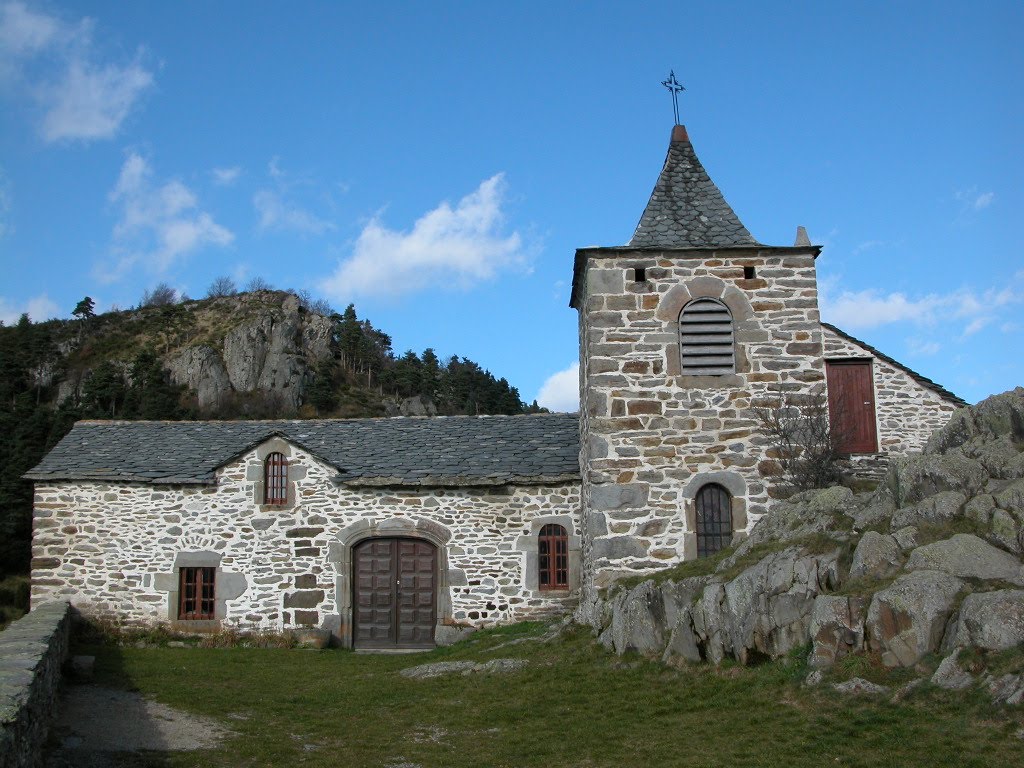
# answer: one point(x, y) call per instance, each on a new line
point(272, 349)
point(265, 342)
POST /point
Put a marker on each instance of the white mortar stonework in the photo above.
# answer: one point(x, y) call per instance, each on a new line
point(112, 549)
point(906, 411)
point(652, 437)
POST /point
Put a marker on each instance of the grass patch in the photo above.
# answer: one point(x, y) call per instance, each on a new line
point(573, 705)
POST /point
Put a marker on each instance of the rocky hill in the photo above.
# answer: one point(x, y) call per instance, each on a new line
point(262, 354)
point(926, 566)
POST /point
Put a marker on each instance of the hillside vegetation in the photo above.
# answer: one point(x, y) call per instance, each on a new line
point(261, 354)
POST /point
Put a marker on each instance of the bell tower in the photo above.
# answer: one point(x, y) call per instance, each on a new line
point(683, 332)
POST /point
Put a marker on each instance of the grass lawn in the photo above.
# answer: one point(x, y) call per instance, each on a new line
point(574, 705)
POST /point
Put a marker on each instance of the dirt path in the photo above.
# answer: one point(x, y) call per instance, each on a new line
point(103, 728)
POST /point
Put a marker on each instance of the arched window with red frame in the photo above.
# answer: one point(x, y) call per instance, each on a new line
point(275, 479)
point(553, 557)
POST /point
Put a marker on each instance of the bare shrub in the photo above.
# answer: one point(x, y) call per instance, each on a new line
point(221, 286)
point(258, 284)
point(162, 295)
point(316, 306)
point(804, 444)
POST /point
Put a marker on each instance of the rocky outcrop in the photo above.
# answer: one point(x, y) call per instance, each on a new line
point(991, 620)
point(907, 620)
point(917, 582)
point(201, 369)
point(271, 349)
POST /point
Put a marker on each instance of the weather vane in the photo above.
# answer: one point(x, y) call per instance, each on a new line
point(673, 85)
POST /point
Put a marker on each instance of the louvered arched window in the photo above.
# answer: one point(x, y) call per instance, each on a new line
point(714, 519)
point(275, 479)
point(706, 339)
point(553, 557)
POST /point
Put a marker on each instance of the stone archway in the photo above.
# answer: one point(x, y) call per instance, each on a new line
point(394, 593)
point(342, 558)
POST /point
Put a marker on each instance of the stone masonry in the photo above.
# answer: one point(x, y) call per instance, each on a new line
point(121, 508)
point(114, 549)
point(653, 437)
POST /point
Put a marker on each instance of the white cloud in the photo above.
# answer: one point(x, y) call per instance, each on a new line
point(225, 177)
point(449, 247)
point(923, 348)
point(276, 208)
point(276, 213)
point(867, 245)
point(159, 223)
point(869, 309)
point(975, 325)
point(973, 200)
point(39, 308)
point(561, 391)
point(58, 64)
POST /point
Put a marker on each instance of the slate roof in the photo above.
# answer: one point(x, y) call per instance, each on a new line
point(454, 450)
point(924, 381)
point(686, 209)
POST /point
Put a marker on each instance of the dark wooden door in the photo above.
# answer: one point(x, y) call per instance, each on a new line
point(851, 405)
point(395, 593)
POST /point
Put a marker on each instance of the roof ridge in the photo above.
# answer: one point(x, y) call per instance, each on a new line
point(924, 381)
point(456, 416)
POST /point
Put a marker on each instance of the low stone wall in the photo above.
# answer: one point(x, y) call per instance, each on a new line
point(32, 652)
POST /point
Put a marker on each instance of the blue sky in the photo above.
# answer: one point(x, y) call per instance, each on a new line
point(438, 164)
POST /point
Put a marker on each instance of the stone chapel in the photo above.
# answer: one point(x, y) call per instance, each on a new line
point(411, 531)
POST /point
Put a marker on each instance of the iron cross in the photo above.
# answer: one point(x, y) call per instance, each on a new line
point(673, 85)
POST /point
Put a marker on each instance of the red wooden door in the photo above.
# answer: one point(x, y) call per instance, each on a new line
point(851, 405)
point(395, 593)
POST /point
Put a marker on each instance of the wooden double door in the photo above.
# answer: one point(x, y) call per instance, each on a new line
point(395, 600)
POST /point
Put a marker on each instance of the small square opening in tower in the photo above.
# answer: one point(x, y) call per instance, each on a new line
point(639, 274)
point(749, 273)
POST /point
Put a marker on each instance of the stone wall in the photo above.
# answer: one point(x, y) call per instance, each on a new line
point(651, 436)
point(116, 549)
point(906, 411)
point(32, 651)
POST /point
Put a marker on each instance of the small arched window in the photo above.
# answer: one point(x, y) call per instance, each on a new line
point(553, 557)
point(275, 479)
point(706, 339)
point(714, 519)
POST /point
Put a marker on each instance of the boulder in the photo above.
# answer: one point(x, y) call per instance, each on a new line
point(906, 620)
point(950, 675)
point(968, 557)
point(801, 515)
point(766, 609)
point(1011, 498)
point(906, 537)
point(858, 685)
point(436, 669)
point(1008, 689)
point(991, 620)
point(683, 642)
point(939, 508)
point(837, 628)
point(993, 418)
point(916, 477)
point(877, 556)
point(638, 621)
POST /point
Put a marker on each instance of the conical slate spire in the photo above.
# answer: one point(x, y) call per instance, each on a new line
point(686, 209)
